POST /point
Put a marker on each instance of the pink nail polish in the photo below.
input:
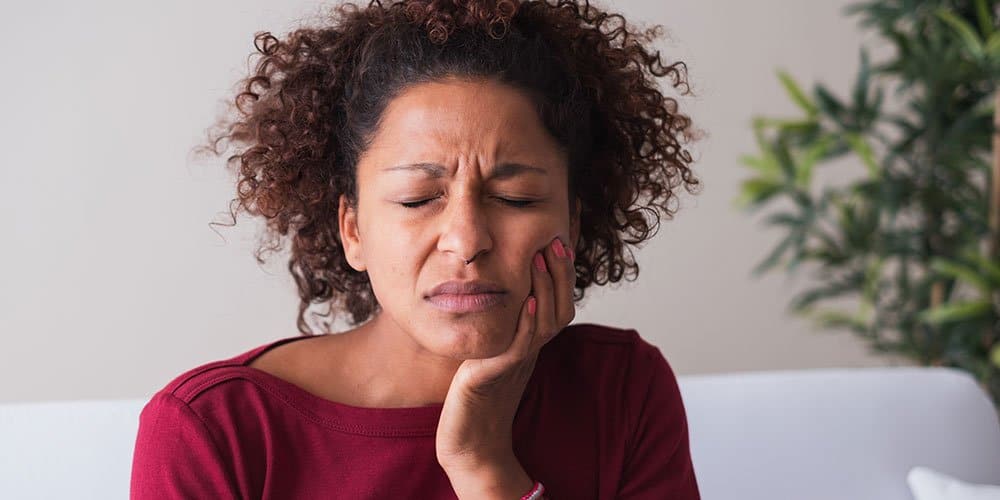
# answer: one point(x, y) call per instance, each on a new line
point(557, 247)
point(540, 262)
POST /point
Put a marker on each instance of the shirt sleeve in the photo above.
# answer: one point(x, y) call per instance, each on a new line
point(658, 457)
point(175, 456)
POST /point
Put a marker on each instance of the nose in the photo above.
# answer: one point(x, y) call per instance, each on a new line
point(465, 228)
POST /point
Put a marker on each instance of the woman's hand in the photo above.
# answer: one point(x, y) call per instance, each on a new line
point(474, 442)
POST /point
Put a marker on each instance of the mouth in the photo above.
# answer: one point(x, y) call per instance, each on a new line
point(456, 296)
point(466, 302)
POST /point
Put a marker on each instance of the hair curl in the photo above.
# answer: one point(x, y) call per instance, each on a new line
point(310, 106)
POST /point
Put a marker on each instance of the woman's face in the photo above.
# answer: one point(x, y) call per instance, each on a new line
point(482, 177)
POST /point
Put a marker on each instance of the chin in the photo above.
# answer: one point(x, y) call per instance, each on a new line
point(467, 341)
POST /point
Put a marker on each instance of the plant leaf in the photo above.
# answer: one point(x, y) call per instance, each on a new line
point(861, 82)
point(756, 191)
point(829, 104)
point(993, 46)
point(795, 92)
point(960, 271)
point(774, 257)
point(864, 151)
point(968, 35)
point(834, 319)
point(956, 311)
point(765, 165)
point(989, 268)
point(985, 18)
point(815, 153)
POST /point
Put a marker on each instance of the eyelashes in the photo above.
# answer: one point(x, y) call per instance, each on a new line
point(506, 201)
point(415, 204)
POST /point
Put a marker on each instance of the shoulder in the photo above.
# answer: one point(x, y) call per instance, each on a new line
point(195, 382)
point(601, 348)
point(617, 383)
point(199, 429)
point(628, 374)
point(617, 366)
point(597, 336)
point(212, 409)
point(614, 365)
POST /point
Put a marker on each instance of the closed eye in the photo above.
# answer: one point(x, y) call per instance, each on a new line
point(507, 201)
point(517, 203)
point(415, 204)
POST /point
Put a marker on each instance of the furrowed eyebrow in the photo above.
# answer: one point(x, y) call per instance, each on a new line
point(431, 169)
point(502, 171)
point(507, 170)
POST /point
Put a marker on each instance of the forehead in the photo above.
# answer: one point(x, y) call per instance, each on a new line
point(463, 117)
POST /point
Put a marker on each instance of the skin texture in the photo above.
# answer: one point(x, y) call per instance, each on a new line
point(476, 363)
point(302, 117)
point(412, 354)
point(469, 128)
point(301, 123)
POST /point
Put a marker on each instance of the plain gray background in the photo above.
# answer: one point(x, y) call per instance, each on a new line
point(113, 283)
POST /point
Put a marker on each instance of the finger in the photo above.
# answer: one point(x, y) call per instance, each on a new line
point(520, 347)
point(563, 279)
point(542, 286)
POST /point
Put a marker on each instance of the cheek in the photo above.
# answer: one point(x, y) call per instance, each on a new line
point(392, 256)
point(522, 243)
point(536, 234)
point(390, 238)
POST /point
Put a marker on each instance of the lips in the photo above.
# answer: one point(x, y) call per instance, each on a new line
point(466, 303)
point(466, 296)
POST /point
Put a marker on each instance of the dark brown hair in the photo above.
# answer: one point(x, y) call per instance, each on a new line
point(311, 104)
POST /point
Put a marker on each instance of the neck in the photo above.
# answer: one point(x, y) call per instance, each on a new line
point(397, 371)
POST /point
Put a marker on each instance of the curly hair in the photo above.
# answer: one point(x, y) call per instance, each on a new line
point(309, 107)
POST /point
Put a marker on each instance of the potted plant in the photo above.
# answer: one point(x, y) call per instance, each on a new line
point(916, 239)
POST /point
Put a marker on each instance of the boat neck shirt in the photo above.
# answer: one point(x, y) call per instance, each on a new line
point(601, 418)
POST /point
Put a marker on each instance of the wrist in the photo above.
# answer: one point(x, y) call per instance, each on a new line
point(502, 480)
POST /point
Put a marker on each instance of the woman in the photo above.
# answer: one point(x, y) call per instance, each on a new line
point(452, 174)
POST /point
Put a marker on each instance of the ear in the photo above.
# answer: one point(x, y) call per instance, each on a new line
point(350, 236)
point(574, 224)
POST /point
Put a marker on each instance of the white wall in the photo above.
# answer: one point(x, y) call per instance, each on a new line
point(113, 282)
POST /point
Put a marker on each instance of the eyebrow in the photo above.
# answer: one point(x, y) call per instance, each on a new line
point(502, 171)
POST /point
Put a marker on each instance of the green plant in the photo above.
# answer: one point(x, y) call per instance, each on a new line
point(916, 239)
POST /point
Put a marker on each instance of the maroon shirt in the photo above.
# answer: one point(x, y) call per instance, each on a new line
point(601, 418)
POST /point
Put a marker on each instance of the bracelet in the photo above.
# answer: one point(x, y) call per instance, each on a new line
point(535, 493)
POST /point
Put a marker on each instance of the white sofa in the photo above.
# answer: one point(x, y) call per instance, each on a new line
point(844, 434)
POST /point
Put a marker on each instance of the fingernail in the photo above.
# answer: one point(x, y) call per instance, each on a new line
point(531, 305)
point(558, 248)
point(572, 254)
point(539, 261)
